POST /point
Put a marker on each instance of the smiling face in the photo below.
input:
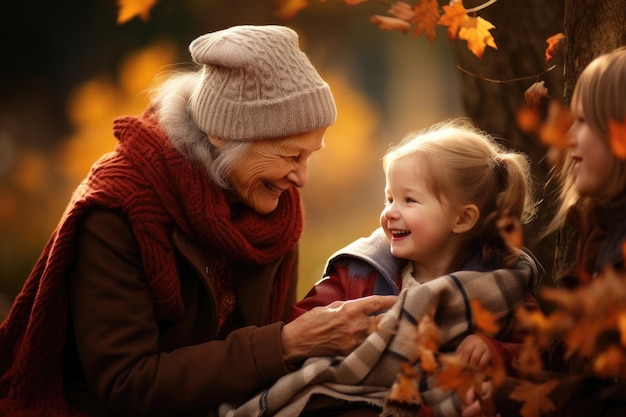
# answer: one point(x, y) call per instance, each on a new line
point(271, 167)
point(418, 226)
point(592, 156)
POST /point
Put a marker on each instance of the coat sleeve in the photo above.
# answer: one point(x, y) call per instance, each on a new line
point(117, 336)
point(338, 285)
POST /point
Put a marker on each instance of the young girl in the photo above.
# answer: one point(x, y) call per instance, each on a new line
point(446, 189)
point(593, 178)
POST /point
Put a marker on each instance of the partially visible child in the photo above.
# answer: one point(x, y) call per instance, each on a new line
point(446, 189)
point(592, 200)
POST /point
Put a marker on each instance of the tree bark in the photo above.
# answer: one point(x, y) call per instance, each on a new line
point(522, 28)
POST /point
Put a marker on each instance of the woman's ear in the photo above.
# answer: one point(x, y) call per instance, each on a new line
point(215, 141)
point(467, 219)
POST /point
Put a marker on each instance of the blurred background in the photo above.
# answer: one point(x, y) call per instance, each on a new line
point(68, 69)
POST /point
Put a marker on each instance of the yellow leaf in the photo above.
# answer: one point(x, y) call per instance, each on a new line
point(453, 17)
point(475, 30)
point(131, 8)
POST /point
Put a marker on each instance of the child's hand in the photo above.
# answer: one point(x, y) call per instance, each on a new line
point(474, 350)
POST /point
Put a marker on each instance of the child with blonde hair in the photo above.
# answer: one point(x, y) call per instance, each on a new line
point(452, 196)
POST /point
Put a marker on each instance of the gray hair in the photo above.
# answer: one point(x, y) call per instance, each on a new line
point(171, 99)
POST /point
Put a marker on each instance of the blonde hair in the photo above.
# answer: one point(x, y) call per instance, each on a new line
point(463, 165)
point(599, 95)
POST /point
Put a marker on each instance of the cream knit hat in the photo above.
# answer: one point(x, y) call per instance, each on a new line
point(257, 84)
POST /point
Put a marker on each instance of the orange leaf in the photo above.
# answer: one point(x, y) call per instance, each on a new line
point(621, 326)
point(610, 363)
point(553, 132)
point(554, 45)
point(617, 138)
point(484, 319)
point(453, 17)
point(456, 375)
point(404, 391)
point(131, 8)
point(353, 2)
point(287, 9)
point(427, 333)
point(475, 30)
point(535, 397)
point(390, 23)
point(528, 119)
point(402, 10)
point(426, 18)
point(534, 93)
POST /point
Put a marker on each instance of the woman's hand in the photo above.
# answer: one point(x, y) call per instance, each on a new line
point(474, 351)
point(335, 329)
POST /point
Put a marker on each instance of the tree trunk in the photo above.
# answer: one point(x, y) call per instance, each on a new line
point(522, 28)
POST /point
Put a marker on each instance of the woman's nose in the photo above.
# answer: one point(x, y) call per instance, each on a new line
point(300, 175)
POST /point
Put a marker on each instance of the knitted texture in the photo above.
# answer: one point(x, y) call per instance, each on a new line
point(257, 84)
point(367, 374)
point(157, 189)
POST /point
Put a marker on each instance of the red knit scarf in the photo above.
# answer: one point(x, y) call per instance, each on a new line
point(157, 189)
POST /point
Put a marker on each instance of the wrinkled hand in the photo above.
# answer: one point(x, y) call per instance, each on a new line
point(474, 350)
point(335, 329)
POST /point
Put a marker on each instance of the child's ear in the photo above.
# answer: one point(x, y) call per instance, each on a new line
point(467, 219)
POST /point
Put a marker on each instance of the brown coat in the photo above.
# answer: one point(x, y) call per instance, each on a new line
point(121, 361)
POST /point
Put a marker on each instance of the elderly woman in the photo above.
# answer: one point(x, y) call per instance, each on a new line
point(164, 288)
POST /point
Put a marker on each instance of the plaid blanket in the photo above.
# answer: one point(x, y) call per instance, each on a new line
point(367, 374)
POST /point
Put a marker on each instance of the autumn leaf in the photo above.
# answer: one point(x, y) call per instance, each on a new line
point(131, 8)
point(621, 326)
point(484, 319)
point(535, 92)
point(529, 362)
point(553, 132)
point(353, 2)
point(453, 17)
point(456, 375)
point(287, 9)
point(610, 363)
point(475, 30)
point(402, 10)
point(617, 138)
point(390, 23)
point(426, 18)
point(535, 397)
point(404, 390)
point(554, 45)
point(427, 332)
point(528, 119)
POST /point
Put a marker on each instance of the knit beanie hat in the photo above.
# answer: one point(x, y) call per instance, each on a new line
point(256, 83)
